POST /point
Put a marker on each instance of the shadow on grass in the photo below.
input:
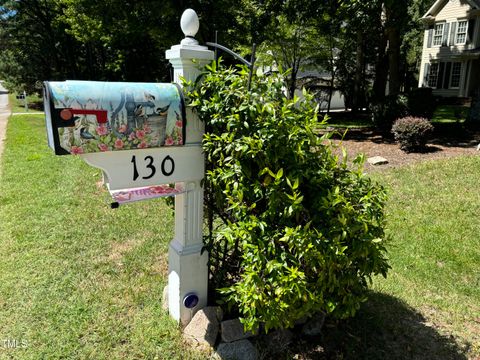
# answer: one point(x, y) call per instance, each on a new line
point(384, 328)
point(36, 105)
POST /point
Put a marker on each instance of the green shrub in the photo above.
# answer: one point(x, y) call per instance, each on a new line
point(421, 103)
point(386, 112)
point(412, 133)
point(292, 231)
point(472, 121)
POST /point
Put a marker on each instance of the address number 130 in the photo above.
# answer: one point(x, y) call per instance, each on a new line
point(167, 167)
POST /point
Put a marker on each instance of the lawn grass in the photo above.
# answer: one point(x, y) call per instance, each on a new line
point(428, 307)
point(345, 120)
point(77, 279)
point(18, 106)
point(450, 114)
point(81, 281)
point(444, 114)
point(435, 247)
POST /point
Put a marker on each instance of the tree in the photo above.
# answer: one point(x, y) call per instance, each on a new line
point(293, 47)
point(361, 44)
point(96, 40)
point(35, 45)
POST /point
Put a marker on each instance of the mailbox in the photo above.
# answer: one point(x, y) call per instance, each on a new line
point(91, 116)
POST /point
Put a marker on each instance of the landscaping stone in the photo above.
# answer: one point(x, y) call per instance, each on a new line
point(233, 330)
point(314, 326)
point(203, 329)
point(165, 298)
point(377, 160)
point(237, 350)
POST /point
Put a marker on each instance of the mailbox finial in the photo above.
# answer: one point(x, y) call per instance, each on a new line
point(190, 25)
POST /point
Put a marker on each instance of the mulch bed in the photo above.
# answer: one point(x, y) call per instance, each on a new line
point(447, 142)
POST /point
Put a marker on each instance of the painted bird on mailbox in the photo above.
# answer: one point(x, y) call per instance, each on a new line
point(163, 110)
point(148, 96)
point(85, 134)
point(139, 110)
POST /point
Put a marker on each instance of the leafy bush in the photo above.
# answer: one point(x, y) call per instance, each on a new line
point(421, 103)
point(412, 133)
point(292, 231)
point(386, 112)
point(473, 118)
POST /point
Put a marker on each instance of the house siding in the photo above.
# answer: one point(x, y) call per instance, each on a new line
point(450, 13)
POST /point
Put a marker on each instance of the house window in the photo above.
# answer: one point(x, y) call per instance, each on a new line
point(433, 75)
point(438, 34)
point(455, 77)
point(461, 36)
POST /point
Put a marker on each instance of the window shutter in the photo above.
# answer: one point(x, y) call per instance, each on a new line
point(471, 27)
point(430, 37)
point(445, 34)
point(446, 80)
point(441, 72)
point(452, 33)
point(426, 71)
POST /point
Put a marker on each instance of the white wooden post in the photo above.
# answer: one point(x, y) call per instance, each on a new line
point(188, 270)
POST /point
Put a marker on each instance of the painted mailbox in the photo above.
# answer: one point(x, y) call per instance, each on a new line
point(91, 116)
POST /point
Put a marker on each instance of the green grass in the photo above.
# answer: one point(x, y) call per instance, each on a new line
point(77, 279)
point(34, 103)
point(428, 307)
point(435, 245)
point(444, 114)
point(450, 114)
point(81, 281)
point(347, 121)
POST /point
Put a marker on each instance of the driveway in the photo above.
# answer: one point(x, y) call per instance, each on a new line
point(4, 114)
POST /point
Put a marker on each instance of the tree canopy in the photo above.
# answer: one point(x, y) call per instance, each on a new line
point(358, 44)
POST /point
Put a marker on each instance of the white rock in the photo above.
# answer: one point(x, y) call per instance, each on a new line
point(377, 160)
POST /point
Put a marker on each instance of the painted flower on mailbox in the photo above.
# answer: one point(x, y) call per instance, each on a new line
point(119, 144)
point(139, 115)
point(103, 147)
point(76, 150)
point(102, 130)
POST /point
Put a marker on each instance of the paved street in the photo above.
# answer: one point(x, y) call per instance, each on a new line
point(4, 114)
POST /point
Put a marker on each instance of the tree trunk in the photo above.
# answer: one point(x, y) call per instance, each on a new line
point(330, 92)
point(381, 72)
point(393, 61)
point(292, 86)
point(357, 86)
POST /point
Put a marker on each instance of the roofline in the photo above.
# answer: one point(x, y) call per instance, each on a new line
point(440, 3)
point(433, 9)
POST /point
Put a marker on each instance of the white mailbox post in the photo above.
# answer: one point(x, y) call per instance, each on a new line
point(188, 270)
point(144, 139)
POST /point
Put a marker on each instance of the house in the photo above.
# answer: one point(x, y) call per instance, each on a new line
point(451, 48)
point(319, 84)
